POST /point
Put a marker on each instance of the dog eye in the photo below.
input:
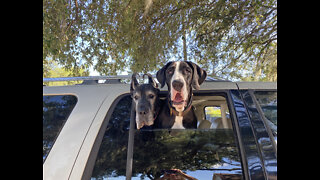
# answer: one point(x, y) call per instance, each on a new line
point(188, 70)
point(136, 97)
point(170, 71)
point(151, 96)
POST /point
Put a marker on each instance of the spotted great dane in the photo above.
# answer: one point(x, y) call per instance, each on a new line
point(180, 76)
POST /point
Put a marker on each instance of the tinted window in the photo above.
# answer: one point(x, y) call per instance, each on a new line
point(56, 110)
point(112, 155)
point(268, 102)
point(197, 153)
point(158, 153)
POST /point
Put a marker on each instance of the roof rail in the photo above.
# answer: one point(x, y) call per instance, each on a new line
point(86, 78)
point(114, 79)
point(216, 79)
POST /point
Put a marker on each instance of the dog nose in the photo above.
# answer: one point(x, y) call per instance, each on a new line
point(177, 85)
point(143, 110)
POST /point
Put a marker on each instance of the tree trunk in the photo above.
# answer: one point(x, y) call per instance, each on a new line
point(184, 39)
point(257, 72)
point(185, 58)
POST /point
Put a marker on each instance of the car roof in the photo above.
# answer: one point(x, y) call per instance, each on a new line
point(204, 86)
point(211, 83)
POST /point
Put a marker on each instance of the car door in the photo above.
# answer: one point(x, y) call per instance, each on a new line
point(60, 152)
point(210, 151)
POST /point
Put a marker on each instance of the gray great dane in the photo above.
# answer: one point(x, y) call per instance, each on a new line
point(146, 101)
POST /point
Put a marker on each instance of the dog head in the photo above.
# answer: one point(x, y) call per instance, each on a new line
point(180, 77)
point(146, 99)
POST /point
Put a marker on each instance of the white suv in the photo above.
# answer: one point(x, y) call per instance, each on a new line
point(86, 129)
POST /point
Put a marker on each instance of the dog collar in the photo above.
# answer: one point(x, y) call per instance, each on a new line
point(177, 113)
point(156, 115)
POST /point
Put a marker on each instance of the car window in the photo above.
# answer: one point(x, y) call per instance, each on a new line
point(112, 155)
point(203, 153)
point(268, 103)
point(56, 110)
point(218, 117)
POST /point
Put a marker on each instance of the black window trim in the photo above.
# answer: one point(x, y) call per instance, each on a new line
point(245, 93)
point(235, 126)
point(221, 92)
point(261, 113)
point(247, 143)
point(130, 146)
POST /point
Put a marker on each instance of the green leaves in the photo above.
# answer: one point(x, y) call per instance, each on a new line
point(122, 35)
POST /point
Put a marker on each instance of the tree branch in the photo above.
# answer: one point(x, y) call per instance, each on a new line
point(76, 18)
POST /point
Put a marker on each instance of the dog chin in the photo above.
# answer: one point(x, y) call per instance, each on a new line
point(149, 123)
point(144, 122)
point(179, 107)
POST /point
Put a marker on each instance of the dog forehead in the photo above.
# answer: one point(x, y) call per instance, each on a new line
point(173, 64)
point(145, 89)
point(183, 65)
point(179, 65)
point(148, 88)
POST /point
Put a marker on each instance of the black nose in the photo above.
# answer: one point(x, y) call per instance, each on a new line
point(177, 85)
point(143, 112)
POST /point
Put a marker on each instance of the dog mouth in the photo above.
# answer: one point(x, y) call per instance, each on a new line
point(177, 98)
point(145, 120)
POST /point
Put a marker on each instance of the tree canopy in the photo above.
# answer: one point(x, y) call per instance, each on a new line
point(234, 39)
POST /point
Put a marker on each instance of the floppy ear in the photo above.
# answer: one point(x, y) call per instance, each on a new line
point(134, 82)
point(199, 75)
point(150, 80)
point(161, 74)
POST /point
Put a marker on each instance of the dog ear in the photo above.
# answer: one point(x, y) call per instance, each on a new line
point(199, 75)
point(161, 74)
point(134, 82)
point(151, 80)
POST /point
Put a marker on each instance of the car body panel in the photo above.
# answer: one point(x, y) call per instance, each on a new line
point(62, 156)
point(92, 134)
point(257, 85)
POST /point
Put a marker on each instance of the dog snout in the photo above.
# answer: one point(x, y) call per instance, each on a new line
point(143, 110)
point(177, 85)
